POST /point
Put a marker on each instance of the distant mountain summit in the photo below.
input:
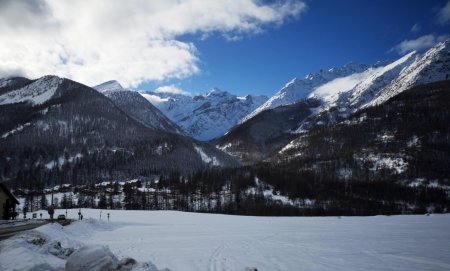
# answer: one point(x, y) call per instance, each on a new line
point(207, 116)
point(217, 93)
point(112, 85)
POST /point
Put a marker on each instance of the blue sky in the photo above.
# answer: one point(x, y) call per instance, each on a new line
point(241, 46)
point(327, 34)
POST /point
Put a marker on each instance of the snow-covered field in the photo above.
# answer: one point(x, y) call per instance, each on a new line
point(192, 241)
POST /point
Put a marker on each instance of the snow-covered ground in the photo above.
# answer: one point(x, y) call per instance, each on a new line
point(192, 241)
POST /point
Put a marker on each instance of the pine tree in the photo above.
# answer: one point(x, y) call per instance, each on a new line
point(43, 202)
point(102, 203)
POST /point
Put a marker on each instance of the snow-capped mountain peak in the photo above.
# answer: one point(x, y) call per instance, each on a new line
point(432, 66)
point(206, 116)
point(327, 75)
point(365, 90)
point(298, 89)
point(217, 92)
point(359, 87)
point(378, 84)
point(112, 85)
point(37, 92)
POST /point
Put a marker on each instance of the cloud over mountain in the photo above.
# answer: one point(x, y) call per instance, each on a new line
point(421, 43)
point(131, 41)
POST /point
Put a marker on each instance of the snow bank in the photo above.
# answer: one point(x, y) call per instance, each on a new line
point(54, 247)
point(42, 249)
point(92, 258)
point(100, 258)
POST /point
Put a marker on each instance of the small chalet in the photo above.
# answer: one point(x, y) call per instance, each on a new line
point(8, 203)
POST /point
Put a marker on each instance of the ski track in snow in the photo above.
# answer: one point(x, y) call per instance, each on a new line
point(216, 259)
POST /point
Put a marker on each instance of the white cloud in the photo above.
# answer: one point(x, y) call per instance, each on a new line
point(172, 89)
point(443, 15)
point(416, 28)
point(421, 43)
point(153, 99)
point(130, 41)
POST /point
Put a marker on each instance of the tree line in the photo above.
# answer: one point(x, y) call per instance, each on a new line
point(244, 191)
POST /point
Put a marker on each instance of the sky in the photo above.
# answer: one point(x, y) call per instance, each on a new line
point(191, 46)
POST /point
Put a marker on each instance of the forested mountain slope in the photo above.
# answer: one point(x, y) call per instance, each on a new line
point(406, 138)
point(54, 130)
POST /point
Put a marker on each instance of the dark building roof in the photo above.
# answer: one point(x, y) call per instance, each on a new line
point(7, 192)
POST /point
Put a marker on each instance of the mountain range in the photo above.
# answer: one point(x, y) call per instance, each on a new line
point(330, 97)
point(56, 130)
point(195, 116)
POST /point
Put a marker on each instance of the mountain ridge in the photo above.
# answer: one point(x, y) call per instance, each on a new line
point(358, 95)
point(297, 89)
point(339, 97)
point(136, 106)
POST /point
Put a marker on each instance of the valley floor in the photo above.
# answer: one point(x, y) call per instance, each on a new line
point(193, 241)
